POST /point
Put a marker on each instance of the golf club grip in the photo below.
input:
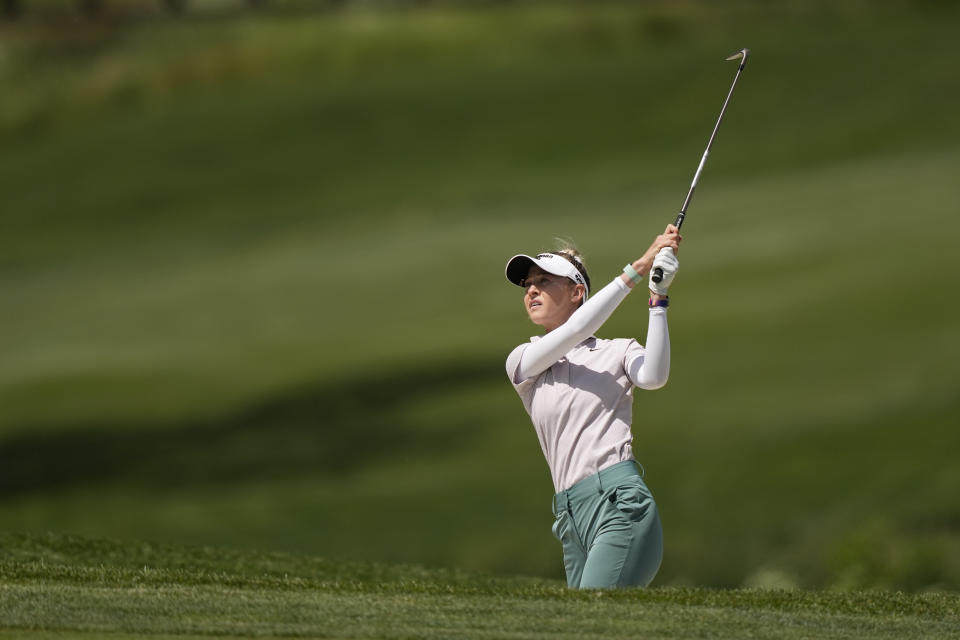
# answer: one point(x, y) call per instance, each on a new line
point(657, 274)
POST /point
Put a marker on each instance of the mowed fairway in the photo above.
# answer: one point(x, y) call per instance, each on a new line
point(251, 296)
point(57, 587)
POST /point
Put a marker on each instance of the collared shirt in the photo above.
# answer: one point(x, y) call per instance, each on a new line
point(582, 406)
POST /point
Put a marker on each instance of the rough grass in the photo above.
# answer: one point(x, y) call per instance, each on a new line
point(56, 586)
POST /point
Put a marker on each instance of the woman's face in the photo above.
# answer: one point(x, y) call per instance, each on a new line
point(550, 299)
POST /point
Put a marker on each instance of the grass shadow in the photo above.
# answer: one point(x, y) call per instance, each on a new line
point(323, 428)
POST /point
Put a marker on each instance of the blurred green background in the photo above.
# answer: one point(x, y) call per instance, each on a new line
point(251, 287)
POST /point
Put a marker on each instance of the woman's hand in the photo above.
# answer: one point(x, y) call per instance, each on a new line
point(664, 249)
point(669, 238)
point(644, 264)
point(666, 264)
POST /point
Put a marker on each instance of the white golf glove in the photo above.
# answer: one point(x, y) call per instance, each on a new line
point(668, 263)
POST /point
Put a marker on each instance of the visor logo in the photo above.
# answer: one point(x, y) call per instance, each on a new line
point(576, 272)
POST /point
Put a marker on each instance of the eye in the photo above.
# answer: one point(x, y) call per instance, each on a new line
point(540, 282)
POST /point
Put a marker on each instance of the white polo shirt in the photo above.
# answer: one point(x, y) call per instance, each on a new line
point(582, 406)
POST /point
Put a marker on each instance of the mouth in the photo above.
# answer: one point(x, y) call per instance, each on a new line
point(534, 304)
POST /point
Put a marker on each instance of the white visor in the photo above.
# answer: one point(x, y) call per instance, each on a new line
point(519, 266)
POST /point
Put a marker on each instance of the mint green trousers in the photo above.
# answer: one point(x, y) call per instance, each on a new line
point(610, 530)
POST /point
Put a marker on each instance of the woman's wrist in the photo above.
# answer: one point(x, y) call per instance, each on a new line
point(634, 272)
point(632, 277)
point(643, 265)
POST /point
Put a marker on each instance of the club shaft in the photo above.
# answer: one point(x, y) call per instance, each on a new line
point(706, 152)
point(657, 274)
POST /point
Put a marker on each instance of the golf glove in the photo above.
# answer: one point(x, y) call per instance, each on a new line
point(667, 261)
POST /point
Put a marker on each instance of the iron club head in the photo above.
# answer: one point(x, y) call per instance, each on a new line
point(740, 55)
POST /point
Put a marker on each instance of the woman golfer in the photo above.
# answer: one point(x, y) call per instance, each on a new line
point(578, 390)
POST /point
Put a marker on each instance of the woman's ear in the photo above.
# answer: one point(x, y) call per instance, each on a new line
point(578, 291)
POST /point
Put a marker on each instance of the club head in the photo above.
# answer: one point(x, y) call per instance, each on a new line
point(740, 55)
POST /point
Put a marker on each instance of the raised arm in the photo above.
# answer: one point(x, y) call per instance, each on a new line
point(651, 367)
point(541, 355)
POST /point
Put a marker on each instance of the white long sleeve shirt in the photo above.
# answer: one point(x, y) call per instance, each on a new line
point(578, 389)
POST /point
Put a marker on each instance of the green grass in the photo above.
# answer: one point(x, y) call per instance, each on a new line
point(66, 587)
point(250, 288)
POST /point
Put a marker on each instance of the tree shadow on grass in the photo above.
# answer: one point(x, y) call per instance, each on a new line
point(323, 429)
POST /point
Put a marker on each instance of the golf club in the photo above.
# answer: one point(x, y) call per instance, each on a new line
point(741, 55)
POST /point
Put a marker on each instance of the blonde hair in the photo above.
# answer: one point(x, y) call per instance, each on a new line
point(567, 249)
